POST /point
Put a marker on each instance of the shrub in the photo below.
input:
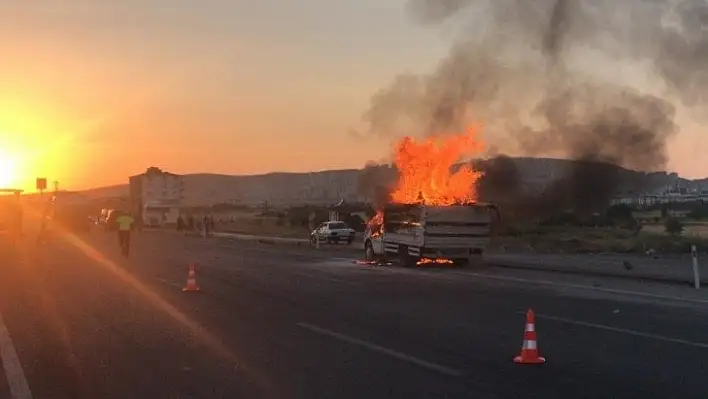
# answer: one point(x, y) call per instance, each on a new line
point(673, 227)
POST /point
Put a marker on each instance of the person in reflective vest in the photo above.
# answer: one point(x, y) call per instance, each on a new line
point(125, 225)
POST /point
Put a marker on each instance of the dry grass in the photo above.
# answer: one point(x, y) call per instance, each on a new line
point(245, 223)
point(595, 240)
point(689, 229)
point(526, 238)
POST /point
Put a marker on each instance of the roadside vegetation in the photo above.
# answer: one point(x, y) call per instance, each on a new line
point(620, 229)
point(269, 220)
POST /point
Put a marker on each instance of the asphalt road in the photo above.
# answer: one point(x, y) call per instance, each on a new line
point(79, 321)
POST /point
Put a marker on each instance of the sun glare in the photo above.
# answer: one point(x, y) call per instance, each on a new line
point(7, 170)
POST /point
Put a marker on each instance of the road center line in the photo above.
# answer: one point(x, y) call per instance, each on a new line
point(380, 349)
point(584, 287)
point(19, 389)
point(623, 331)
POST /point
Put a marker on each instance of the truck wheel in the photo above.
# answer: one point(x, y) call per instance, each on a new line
point(475, 258)
point(404, 258)
point(369, 254)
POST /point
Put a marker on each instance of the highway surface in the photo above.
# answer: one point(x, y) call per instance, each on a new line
point(79, 321)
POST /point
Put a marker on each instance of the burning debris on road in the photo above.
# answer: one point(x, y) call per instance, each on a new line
point(421, 263)
point(437, 261)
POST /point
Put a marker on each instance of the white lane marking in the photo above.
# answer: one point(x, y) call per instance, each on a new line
point(622, 331)
point(163, 281)
point(584, 287)
point(19, 388)
point(348, 260)
point(381, 349)
point(324, 278)
point(322, 254)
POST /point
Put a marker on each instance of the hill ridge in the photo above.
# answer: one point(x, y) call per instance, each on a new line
point(325, 186)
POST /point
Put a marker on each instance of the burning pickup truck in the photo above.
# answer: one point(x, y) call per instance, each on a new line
point(432, 214)
point(419, 233)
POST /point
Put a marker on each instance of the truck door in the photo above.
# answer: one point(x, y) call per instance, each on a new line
point(378, 244)
point(375, 234)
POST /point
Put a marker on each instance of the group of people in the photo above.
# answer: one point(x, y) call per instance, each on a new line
point(125, 224)
point(206, 224)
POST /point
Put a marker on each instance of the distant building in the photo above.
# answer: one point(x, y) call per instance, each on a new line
point(667, 197)
point(156, 189)
point(678, 213)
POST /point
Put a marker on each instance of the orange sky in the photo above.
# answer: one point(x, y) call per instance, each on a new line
point(96, 91)
point(93, 92)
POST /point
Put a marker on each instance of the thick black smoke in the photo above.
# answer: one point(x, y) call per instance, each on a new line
point(501, 181)
point(597, 81)
point(376, 182)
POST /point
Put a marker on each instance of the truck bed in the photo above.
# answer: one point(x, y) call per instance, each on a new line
point(471, 231)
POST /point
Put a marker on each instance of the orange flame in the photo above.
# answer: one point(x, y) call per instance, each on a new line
point(437, 261)
point(375, 224)
point(425, 173)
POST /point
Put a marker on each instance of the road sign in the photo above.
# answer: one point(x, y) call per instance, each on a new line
point(41, 183)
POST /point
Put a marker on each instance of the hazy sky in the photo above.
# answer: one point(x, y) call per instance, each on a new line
point(232, 86)
point(92, 91)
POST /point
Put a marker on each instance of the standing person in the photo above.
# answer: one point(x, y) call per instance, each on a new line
point(125, 225)
point(16, 218)
point(180, 223)
point(44, 226)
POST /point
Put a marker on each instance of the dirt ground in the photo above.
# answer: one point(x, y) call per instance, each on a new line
point(257, 225)
point(598, 240)
point(529, 238)
point(689, 229)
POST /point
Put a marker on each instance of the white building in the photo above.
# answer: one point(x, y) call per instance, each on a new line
point(669, 197)
point(156, 196)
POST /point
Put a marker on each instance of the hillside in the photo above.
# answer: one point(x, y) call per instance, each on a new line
point(119, 190)
point(532, 174)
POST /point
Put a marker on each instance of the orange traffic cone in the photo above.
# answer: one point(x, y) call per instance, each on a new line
point(191, 280)
point(529, 350)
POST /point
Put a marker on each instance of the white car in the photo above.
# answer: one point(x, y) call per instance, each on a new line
point(333, 232)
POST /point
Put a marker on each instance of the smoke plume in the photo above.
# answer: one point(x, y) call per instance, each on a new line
point(590, 80)
point(501, 181)
point(375, 183)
